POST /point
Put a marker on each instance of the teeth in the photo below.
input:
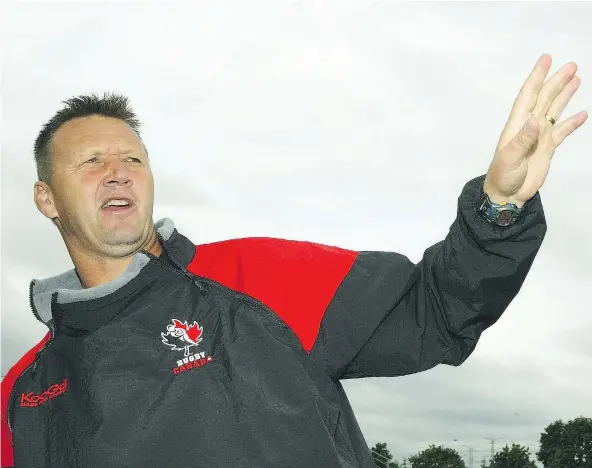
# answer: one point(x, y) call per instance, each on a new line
point(116, 202)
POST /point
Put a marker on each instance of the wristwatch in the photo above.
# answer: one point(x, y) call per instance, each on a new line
point(502, 214)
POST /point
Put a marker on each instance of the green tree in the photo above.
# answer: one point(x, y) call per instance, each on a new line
point(437, 457)
point(515, 457)
point(550, 442)
point(382, 456)
point(567, 444)
point(484, 464)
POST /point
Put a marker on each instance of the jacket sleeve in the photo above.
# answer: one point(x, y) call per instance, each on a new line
point(392, 317)
point(8, 383)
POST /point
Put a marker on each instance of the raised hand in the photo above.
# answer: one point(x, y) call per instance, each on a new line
point(530, 136)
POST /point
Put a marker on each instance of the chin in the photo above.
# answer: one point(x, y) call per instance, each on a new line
point(124, 237)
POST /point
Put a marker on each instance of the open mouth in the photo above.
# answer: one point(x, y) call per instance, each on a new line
point(118, 205)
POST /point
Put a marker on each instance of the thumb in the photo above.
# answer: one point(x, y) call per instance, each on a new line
point(524, 140)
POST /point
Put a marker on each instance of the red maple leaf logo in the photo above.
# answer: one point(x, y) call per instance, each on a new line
point(181, 336)
point(193, 331)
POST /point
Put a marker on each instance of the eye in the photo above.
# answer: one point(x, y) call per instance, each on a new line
point(133, 159)
point(91, 160)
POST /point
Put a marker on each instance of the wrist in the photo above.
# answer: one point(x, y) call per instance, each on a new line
point(499, 199)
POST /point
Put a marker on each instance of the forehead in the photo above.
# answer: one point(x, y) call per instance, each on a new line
point(94, 135)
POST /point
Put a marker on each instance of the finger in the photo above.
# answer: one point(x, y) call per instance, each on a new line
point(553, 87)
point(561, 101)
point(526, 100)
point(527, 97)
point(520, 146)
point(565, 128)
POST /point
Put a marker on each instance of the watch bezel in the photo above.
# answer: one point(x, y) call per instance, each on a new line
point(495, 213)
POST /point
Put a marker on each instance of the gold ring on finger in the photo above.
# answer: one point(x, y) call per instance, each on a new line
point(550, 119)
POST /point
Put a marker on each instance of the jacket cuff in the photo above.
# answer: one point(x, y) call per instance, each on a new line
point(471, 196)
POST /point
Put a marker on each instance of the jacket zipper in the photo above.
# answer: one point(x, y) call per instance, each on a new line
point(38, 354)
point(179, 269)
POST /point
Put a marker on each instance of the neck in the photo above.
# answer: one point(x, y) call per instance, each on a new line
point(95, 270)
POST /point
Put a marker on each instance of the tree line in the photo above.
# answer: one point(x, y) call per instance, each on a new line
point(562, 445)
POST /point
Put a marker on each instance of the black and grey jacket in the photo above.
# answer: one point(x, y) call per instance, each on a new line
point(231, 354)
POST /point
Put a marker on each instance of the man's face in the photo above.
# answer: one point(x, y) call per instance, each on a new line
point(102, 187)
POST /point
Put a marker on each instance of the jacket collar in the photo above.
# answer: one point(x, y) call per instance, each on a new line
point(67, 286)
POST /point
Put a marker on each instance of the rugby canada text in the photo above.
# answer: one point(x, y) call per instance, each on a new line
point(192, 361)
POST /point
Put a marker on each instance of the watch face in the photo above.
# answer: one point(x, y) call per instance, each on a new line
point(505, 217)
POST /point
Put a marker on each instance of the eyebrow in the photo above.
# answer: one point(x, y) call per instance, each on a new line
point(98, 153)
point(101, 153)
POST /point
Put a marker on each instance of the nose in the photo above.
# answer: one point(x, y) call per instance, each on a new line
point(117, 174)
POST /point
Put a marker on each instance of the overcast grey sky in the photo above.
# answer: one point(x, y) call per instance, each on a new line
point(351, 124)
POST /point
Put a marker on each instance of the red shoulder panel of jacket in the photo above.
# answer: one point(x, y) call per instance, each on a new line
point(295, 279)
point(7, 384)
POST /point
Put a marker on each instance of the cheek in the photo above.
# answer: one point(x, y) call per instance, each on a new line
point(145, 187)
point(82, 195)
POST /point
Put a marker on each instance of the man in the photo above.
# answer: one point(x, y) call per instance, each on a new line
point(161, 353)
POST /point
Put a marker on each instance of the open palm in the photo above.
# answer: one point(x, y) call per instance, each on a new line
point(529, 139)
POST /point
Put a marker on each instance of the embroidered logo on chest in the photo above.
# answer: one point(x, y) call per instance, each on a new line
point(33, 399)
point(183, 337)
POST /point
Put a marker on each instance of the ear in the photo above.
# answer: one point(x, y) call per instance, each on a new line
point(44, 200)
